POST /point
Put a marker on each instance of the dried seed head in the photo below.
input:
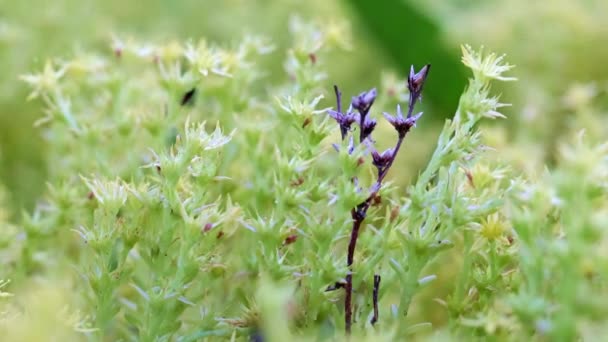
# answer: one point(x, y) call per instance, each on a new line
point(381, 160)
point(367, 128)
point(415, 81)
point(364, 101)
point(402, 125)
point(344, 120)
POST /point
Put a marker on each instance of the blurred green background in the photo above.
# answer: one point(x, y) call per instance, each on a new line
point(555, 45)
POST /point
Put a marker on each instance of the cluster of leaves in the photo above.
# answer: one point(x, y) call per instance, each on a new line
point(76, 29)
point(190, 199)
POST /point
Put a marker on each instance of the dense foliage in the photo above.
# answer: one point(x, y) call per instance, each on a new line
point(196, 192)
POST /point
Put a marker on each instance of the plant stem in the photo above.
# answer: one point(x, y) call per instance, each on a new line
point(358, 217)
point(363, 104)
point(377, 279)
point(358, 214)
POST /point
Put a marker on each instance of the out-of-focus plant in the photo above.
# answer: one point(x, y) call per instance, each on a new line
point(135, 178)
point(171, 224)
point(381, 161)
point(555, 46)
point(191, 197)
point(9, 244)
point(31, 32)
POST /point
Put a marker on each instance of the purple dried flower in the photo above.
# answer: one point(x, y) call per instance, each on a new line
point(367, 128)
point(344, 120)
point(415, 83)
point(401, 124)
point(382, 160)
point(364, 101)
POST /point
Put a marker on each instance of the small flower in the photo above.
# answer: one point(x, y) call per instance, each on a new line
point(111, 194)
point(382, 160)
point(45, 82)
point(201, 57)
point(364, 101)
point(492, 227)
point(196, 134)
point(344, 120)
point(291, 105)
point(486, 66)
point(482, 176)
point(402, 125)
point(415, 83)
point(367, 127)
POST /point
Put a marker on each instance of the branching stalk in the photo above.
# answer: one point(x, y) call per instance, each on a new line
point(383, 162)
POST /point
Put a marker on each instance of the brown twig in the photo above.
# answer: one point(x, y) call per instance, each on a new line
point(377, 279)
point(358, 217)
point(358, 214)
point(362, 103)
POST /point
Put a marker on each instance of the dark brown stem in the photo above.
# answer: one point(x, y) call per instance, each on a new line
point(363, 103)
point(348, 310)
point(338, 100)
point(377, 279)
point(358, 218)
point(358, 214)
point(361, 121)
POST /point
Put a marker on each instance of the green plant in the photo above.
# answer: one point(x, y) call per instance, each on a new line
point(382, 161)
point(192, 198)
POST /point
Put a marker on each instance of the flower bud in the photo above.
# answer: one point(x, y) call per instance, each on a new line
point(382, 160)
point(364, 101)
point(415, 81)
point(402, 125)
point(367, 128)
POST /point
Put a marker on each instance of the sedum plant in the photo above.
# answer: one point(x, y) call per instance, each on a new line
point(190, 198)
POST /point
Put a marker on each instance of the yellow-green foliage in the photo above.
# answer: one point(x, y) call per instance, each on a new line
point(193, 193)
